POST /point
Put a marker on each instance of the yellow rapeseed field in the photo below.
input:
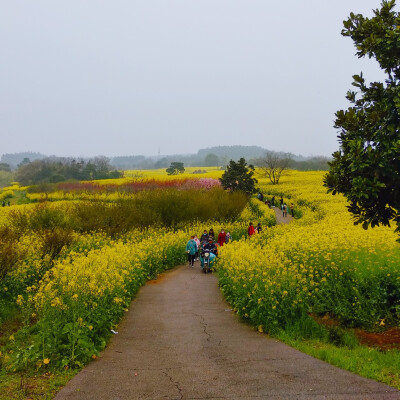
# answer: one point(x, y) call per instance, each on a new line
point(320, 263)
point(75, 286)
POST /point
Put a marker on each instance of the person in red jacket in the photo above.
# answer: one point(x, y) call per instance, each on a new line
point(251, 229)
point(221, 237)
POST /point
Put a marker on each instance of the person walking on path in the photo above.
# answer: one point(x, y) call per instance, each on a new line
point(281, 200)
point(211, 233)
point(179, 328)
point(221, 237)
point(251, 230)
point(292, 209)
point(204, 237)
point(191, 250)
point(284, 210)
point(196, 239)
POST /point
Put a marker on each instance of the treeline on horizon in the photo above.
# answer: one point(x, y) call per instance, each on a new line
point(52, 170)
point(213, 156)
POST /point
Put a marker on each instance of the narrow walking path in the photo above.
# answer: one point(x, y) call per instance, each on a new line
point(181, 340)
point(280, 219)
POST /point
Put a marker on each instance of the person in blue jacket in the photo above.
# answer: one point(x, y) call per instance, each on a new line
point(191, 250)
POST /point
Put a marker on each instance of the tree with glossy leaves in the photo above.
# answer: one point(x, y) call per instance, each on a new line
point(239, 176)
point(366, 168)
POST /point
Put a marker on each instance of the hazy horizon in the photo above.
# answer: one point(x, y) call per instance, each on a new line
point(148, 77)
point(153, 155)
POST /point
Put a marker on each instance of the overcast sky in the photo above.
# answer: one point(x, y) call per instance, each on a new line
point(128, 77)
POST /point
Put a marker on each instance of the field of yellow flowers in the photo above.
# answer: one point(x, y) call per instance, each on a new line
point(319, 265)
point(67, 284)
point(66, 287)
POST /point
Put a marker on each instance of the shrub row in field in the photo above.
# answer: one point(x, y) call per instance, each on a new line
point(78, 189)
point(167, 208)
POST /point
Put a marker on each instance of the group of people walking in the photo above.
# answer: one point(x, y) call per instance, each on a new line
point(252, 230)
point(195, 247)
point(207, 243)
point(271, 203)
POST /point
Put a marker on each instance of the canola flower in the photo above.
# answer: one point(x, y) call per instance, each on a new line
point(320, 263)
point(190, 172)
point(84, 293)
point(5, 194)
point(80, 298)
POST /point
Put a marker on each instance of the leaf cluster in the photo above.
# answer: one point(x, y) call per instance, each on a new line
point(366, 168)
point(176, 168)
point(239, 177)
point(53, 170)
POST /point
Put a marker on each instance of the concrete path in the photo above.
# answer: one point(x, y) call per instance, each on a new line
point(280, 219)
point(180, 340)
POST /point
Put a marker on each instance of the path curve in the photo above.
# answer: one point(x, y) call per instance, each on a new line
point(181, 340)
point(280, 219)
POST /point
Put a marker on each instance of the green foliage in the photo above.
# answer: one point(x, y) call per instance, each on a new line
point(6, 178)
point(311, 164)
point(169, 208)
point(25, 161)
point(211, 160)
point(357, 297)
point(239, 177)
point(33, 385)
point(305, 327)
point(54, 240)
point(175, 168)
point(366, 167)
point(163, 207)
point(5, 167)
point(342, 338)
point(72, 336)
point(44, 217)
point(59, 169)
point(383, 366)
point(259, 212)
point(9, 254)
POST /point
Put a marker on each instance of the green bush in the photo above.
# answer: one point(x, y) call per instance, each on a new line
point(54, 240)
point(169, 208)
point(10, 254)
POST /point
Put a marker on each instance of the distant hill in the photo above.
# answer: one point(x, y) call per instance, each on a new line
point(127, 162)
point(211, 156)
point(14, 159)
point(232, 152)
